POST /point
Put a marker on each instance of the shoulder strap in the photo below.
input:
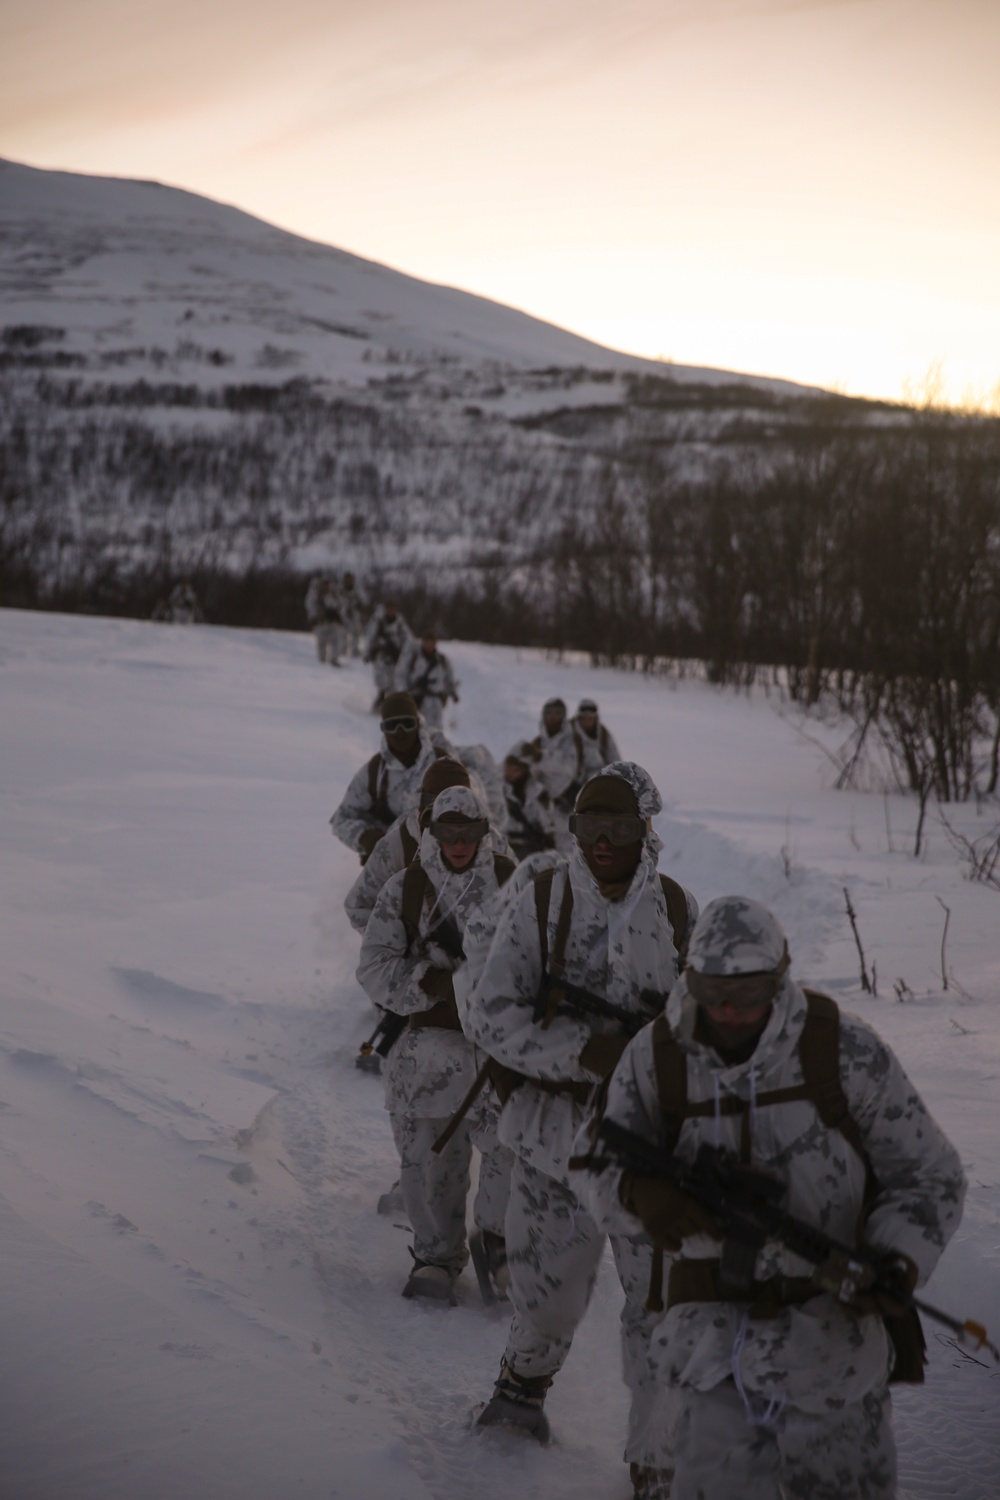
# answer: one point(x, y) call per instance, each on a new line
point(670, 1067)
point(415, 885)
point(503, 868)
point(578, 744)
point(819, 1056)
point(677, 915)
point(409, 843)
point(373, 770)
point(543, 895)
point(554, 964)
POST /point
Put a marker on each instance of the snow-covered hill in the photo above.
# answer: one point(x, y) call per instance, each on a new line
point(125, 266)
point(198, 1297)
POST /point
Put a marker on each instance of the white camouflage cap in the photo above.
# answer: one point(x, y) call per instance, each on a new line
point(643, 787)
point(458, 799)
point(735, 935)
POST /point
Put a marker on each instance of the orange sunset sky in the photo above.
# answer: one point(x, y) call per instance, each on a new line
point(791, 188)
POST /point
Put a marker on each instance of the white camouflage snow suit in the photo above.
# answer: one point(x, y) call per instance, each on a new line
point(599, 748)
point(793, 1401)
point(384, 643)
point(557, 764)
point(623, 951)
point(432, 1066)
point(430, 682)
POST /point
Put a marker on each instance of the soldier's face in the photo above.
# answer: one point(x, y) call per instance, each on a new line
point(553, 721)
point(458, 854)
point(736, 1007)
point(611, 863)
point(588, 722)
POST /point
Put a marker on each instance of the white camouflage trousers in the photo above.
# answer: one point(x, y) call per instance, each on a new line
point(850, 1455)
point(330, 642)
point(554, 1249)
point(435, 1185)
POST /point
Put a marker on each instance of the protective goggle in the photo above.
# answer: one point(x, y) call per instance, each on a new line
point(619, 829)
point(459, 833)
point(740, 991)
point(404, 721)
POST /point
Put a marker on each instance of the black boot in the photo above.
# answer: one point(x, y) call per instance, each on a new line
point(517, 1403)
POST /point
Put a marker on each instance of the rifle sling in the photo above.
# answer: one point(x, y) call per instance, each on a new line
point(700, 1281)
point(443, 1015)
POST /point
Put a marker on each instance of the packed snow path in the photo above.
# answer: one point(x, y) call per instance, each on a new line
point(198, 1297)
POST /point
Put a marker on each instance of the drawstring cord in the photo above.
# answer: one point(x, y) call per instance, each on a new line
point(768, 1414)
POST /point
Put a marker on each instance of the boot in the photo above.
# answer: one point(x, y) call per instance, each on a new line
point(649, 1483)
point(516, 1404)
point(437, 1283)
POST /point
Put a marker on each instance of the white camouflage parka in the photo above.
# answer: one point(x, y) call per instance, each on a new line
point(356, 813)
point(429, 1070)
point(816, 1357)
point(620, 950)
point(558, 762)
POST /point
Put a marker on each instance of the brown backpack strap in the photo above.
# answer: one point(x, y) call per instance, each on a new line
point(415, 883)
point(819, 1056)
point(409, 843)
point(503, 868)
point(378, 779)
point(677, 915)
point(554, 963)
point(543, 895)
point(670, 1069)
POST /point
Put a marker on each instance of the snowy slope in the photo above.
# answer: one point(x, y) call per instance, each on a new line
point(198, 1297)
point(122, 264)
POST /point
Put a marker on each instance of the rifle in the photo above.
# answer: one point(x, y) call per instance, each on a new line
point(447, 936)
point(747, 1205)
point(559, 997)
point(381, 1042)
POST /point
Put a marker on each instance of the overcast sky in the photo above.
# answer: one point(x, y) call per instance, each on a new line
point(804, 188)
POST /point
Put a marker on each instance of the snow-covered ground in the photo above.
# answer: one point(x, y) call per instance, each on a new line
point(198, 1298)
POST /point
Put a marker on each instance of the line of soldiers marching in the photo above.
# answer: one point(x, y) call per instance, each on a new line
point(539, 986)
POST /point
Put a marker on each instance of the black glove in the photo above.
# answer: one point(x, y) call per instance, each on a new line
point(367, 842)
point(601, 1053)
point(438, 984)
point(668, 1214)
point(898, 1276)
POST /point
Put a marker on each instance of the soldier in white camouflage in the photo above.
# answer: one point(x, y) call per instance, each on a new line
point(608, 928)
point(779, 1388)
point(409, 959)
point(599, 745)
point(558, 766)
point(530, 821)
point(427, 675)
point(385, 640)
point(387, 787)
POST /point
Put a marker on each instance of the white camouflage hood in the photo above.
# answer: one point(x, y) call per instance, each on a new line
point(646, 794)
